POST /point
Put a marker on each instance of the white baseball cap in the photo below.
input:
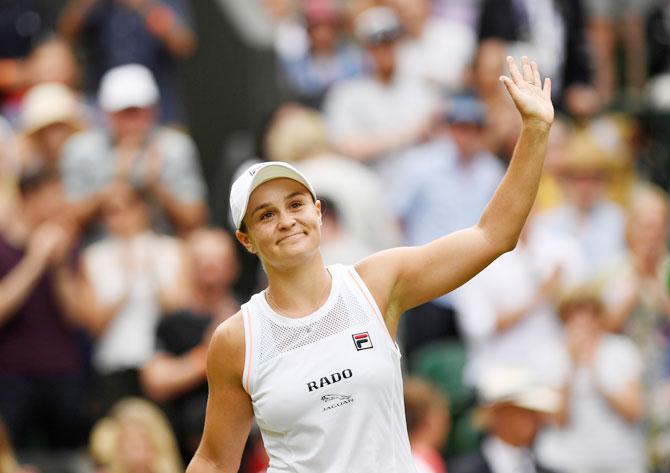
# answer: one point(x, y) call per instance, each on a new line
point(49, 103)
point(253, 177)
point(517, 386)
point(127, 86)
point(377, 25)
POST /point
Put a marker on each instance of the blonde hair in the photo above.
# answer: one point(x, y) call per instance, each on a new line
point(584, 294)
point(105, 437)
point(295, 133)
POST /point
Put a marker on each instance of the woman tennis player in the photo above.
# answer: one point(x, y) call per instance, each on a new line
point(314, 356)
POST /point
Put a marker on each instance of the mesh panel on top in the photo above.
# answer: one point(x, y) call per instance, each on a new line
point(276, 339)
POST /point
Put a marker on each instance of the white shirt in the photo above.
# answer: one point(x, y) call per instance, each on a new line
point(596, 438)
point(365, 106)
point(363, 207)
point(327, 388)
point(509, 284)
point(440, 55)
point(140, 266)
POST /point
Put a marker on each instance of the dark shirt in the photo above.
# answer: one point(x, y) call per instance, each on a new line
point(181, 331)
point(36, 339)
point(178, 333)
point(507, 21)
point(116, 35)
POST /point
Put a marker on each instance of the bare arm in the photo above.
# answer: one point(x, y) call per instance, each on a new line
point(402, 278)
point(73, 16)
point(229, 411)
point(167, 376)
point(628, 403)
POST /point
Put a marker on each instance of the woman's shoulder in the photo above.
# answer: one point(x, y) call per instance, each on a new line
point(226, 349)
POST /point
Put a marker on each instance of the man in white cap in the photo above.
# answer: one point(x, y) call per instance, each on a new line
point(374, 118)
point(514, 406)
point(162, 160)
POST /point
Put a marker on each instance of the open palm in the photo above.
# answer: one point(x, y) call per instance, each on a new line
point(532, 99)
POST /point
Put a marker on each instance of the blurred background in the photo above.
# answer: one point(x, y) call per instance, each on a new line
point(123, 123)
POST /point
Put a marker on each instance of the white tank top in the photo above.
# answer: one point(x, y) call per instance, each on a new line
point(327, 388)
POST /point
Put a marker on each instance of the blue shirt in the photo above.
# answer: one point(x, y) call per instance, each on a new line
point(440, 193)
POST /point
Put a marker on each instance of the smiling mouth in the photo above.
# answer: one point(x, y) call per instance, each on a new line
point(290, 237)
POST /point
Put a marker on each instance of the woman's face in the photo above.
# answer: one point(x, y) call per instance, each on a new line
point(283, 223)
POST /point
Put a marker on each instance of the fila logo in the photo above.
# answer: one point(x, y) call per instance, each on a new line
point(362, 341)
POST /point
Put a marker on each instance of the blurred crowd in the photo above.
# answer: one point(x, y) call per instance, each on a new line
point(556, 358)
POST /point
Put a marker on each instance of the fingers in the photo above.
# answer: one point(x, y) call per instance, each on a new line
point(513, 70)
point(536, 74)
point(527, 70)
point(510, 85)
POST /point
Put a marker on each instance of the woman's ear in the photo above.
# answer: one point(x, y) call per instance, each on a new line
point(244, 239)
point(317, 204)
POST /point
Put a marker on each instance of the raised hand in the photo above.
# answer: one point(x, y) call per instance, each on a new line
point(531, 98)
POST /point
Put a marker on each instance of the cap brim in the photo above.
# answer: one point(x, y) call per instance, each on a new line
point(275, 170)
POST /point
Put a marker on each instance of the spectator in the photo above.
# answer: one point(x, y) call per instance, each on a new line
point(153, 33)
point(588, 215)
point(50, 115)
point(296, 134)
point(443, 187)
point(135, 438)
point(130, 277)
point(427, 415)
point(602, 397)
point(508, 310)
point(551, 31)
point(434, 49)
point(374, 118)
point(607, 22)
point(638, 301)
point(176, 375)
point(327, 57)
point(40, 361)
point(162, 160)
point(514, 406)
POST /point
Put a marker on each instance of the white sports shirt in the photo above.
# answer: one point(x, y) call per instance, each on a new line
point(327, 388)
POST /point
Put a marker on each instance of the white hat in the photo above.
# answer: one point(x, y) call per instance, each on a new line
point(131, 85)
point(253, 177)
point(376, 25)
point(49, 103)
point(511, 385)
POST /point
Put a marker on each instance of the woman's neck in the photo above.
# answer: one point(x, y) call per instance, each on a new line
point(298, 291)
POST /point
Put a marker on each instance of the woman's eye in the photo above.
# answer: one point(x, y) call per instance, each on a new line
point(266, 215)
point(296, 205)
